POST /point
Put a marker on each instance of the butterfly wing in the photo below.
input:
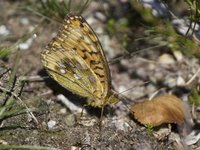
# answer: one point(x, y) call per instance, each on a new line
point(75, 59)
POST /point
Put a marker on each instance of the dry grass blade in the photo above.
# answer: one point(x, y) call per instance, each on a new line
point(26, 147)
point(12, 91)
point(162, 109)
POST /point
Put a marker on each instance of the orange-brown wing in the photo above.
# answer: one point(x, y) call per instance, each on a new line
point(75, 59)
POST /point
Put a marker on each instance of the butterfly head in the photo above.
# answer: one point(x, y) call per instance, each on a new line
point(111, 99)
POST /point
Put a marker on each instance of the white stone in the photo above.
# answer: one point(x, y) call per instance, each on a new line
point(4, 31)
point(51, 124)
point(166, 59)
point(70, 105)
point(25, 45)
point(25, 21)
point(192, 138)
point(180, 81)
point(178, 55)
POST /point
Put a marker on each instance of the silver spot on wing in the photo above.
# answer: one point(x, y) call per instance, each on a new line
point(77, 76)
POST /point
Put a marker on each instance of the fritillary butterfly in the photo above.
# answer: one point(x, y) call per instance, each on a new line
point(76, 60)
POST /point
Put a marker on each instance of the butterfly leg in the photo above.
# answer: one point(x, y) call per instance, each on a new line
point(101, 118)
point(85, 105)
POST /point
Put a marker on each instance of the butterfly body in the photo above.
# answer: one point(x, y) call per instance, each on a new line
point(75, 59)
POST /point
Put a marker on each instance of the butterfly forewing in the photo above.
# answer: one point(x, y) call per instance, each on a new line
point(89, 48)
point(75, 59)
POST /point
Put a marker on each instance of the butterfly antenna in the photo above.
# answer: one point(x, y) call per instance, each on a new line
point(126, 100)
point(145, 82)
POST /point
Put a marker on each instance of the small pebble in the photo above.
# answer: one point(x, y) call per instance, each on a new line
point(178, 55)
point(192, 138)
point(63, 111)
point(180, 81)
point(51, 124)
point(24, 21)
point(4, 31)
point(166, 59)
point(70, 120)
point(26, 45)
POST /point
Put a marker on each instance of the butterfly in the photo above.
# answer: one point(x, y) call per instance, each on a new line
point(76, 60)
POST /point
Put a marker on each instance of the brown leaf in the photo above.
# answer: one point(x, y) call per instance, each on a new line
point(162, 109)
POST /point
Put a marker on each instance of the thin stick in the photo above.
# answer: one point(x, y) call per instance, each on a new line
point(193, 77)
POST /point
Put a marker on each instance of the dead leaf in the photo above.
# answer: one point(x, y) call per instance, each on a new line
point(162, 109)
